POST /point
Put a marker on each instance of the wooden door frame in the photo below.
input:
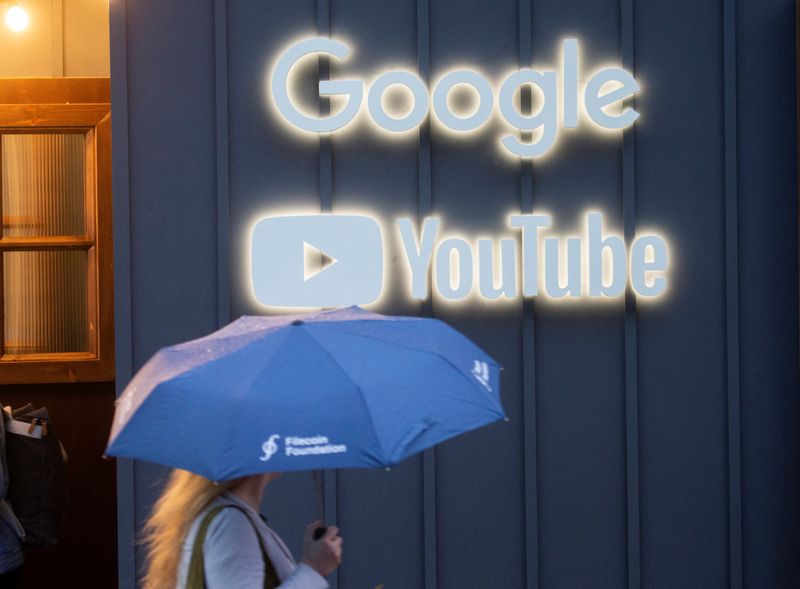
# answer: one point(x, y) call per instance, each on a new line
point(80, 104)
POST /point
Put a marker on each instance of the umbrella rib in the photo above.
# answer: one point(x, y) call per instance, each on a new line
point(358, 389)
point(235, 406)
point(432, 352)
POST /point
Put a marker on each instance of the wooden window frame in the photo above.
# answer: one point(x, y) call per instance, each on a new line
point(69, 105)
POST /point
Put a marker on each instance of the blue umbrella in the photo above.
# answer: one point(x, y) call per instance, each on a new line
point(337, 389)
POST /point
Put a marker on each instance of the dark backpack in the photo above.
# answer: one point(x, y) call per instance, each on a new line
point(37, 475)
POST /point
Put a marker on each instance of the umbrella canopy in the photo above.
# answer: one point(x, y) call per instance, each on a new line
point(337, 389)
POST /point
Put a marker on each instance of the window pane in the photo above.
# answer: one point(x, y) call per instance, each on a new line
point(43, 184)
point(45, 302)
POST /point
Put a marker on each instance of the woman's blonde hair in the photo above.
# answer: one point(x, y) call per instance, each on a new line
point(183, 499)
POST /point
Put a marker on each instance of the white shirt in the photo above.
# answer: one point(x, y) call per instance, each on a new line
point(232, 554)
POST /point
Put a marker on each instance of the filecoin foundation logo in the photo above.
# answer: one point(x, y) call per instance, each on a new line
point(299, 446)
point(286, 251)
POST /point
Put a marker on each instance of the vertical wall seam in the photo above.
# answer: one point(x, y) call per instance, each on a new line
point(529, 426)
point(330, 486)
point(631, 336)
point(223, 160)
point(732, 297)
point(123, 323)
point(424, 209)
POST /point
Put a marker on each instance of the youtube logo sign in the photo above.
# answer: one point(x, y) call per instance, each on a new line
point(337, 260)
point(286, 253)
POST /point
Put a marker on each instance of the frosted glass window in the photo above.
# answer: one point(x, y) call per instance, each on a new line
point(45, 302)
point(43, 184)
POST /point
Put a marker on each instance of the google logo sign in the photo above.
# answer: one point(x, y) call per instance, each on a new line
point(558, 93)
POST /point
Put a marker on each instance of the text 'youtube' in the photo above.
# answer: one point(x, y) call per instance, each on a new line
point(330, 260)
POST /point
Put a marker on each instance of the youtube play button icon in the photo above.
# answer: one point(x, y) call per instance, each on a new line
point(317, 260)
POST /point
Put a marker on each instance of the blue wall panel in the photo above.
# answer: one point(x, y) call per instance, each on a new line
point(170, 89)
point(264, 179)
point(375, 176)
point(679, 158)
point(768, 227)
point(474, 188)
point(634, 428)
point(580, 411)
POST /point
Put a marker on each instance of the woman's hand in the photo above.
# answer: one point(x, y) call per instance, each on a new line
point(325, 554)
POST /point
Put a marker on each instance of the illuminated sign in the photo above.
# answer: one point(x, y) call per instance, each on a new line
point(561, 98)
point(595, 264)
point(283, 269)
point(533, 261)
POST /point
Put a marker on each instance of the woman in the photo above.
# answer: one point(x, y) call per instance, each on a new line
point(238, 550)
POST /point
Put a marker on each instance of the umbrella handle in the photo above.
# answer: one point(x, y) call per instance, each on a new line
point(320, 532)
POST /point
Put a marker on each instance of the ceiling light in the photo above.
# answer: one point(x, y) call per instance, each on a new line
point(17, 19)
